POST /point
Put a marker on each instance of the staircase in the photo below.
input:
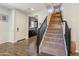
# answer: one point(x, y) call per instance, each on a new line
point(54, 43)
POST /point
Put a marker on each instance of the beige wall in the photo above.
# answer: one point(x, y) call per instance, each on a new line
point(71, 15)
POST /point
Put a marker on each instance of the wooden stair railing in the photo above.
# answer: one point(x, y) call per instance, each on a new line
point(40, 34)
point(67, 37)
point(53, 43)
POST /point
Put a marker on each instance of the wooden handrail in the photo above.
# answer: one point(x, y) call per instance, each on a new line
point(41, 31)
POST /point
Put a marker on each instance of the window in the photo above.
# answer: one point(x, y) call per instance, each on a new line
point(50, 10)
point(32, 24)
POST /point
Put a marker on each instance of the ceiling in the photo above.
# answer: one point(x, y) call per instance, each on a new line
point(25, 7)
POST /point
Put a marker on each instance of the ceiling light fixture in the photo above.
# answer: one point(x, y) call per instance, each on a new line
point(32, 9)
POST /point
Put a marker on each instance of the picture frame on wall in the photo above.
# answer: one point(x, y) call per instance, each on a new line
point(3, 18)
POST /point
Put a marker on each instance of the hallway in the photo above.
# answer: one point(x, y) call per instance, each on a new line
point(52, 30)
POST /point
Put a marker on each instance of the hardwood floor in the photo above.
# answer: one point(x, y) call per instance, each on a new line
point(20, 48)
point(32, 46)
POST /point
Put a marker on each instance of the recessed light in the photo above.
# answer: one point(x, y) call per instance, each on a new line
point(32, 9)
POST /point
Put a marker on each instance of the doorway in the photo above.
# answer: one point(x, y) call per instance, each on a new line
point(33, 27)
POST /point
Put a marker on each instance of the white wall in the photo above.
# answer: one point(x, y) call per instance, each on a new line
point(8, 30)
point(4, 26)
point(41, 15)
point(21, 23)
point(12, 26)
point(71, 15)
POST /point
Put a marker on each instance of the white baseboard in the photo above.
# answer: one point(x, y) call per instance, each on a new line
point(12, 41)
